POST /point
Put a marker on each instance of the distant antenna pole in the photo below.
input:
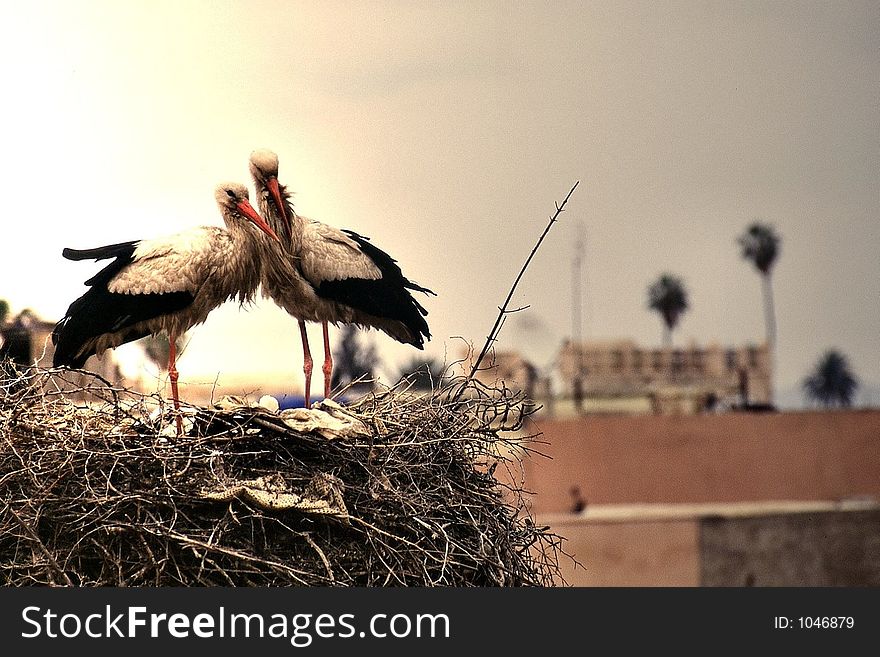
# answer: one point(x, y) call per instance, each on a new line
point(577, 390)
point(576, 292)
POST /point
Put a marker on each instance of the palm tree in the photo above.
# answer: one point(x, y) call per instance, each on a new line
point(760, 245)
point(668, 297)
point(831, 383)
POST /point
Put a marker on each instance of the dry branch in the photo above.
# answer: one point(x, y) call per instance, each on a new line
point(503, 310)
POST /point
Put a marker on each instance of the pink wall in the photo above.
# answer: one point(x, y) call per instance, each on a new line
point(730, 457)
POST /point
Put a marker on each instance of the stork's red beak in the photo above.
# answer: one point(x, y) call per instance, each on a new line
point(276, 196)
point(248, 211)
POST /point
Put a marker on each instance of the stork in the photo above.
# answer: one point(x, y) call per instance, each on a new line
point(322, 274)
point(165, 284)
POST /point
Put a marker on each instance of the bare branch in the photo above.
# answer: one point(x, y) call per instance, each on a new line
point(496, 328)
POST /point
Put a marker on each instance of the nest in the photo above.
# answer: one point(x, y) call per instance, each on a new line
point(396, 489)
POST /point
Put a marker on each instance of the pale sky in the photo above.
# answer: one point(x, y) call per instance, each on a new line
point(446, 132)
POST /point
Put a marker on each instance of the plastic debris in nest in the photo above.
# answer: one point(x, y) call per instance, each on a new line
point(322, 496)
point(326, 418)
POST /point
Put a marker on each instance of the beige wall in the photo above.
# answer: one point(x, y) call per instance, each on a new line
point(730, 457)
point(628, 554)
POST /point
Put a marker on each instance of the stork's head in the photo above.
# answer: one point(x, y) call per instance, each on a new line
point(234, 203)
point(264, 164)
point(264, 169)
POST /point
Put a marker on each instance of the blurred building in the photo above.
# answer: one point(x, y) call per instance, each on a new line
point(509, 368)
point(26, 340)
point(622, 376)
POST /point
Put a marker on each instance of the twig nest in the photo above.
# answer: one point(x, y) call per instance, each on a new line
point(392, 490)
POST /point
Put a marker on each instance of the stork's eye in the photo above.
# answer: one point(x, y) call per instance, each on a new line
point(230, 193)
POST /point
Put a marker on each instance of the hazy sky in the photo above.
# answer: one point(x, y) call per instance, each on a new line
point(446, 131)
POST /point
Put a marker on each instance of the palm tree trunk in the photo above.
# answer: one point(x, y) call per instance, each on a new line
point(667, 336)
point(769, 312)
point(770, 323)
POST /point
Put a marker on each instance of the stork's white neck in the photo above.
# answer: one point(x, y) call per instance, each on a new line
point(290, 230)
point(243, 262)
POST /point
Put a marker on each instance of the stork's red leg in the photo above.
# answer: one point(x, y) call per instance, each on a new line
point(307, 361)
point(328, 361)
point(173, 376)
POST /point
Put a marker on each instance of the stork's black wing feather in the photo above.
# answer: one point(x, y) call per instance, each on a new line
point(122, 252)
point(100, 252)
point(385, 262)
point(386, 297)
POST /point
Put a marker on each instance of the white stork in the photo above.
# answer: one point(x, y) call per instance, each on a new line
point(321, 274)
point(165, 284)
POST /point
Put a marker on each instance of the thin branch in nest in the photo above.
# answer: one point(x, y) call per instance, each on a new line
point(36, 541)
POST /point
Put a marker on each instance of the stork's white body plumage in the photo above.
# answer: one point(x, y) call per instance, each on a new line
point(167, 284)
point(322, 274)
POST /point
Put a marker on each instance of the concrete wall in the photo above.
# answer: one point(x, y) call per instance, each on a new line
point(809, 549)
point(731, 457)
